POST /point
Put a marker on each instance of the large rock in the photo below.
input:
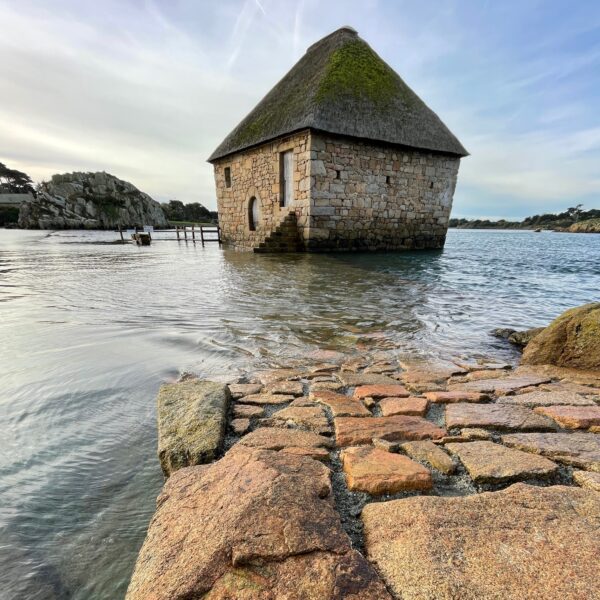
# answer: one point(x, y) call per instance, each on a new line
point(487, 462)
point(192, 418)
point(256, 525)
point(378, 472)
point(353, 431)
point(504, 417)
point(577, 449)
point(89, 201)
point(522, 542)
point(571, 340)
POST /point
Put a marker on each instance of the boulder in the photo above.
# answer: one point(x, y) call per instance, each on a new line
point(192, 418)
point(571, 340)
point(89, 201)
point(522, 542)
point(257, 525)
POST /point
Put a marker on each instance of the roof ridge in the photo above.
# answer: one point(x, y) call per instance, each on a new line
point(346, 30)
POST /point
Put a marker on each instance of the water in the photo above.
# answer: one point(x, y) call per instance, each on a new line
point(90, 331)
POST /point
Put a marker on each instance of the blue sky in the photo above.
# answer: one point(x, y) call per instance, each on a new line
point(146, 89)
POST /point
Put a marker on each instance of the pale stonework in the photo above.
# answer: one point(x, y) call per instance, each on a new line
point(349, 194)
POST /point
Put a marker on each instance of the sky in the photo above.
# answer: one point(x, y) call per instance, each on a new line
point(146, 89)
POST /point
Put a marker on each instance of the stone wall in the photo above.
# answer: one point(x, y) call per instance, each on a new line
point(348, 194)
point(255, 173)
point(375, 197)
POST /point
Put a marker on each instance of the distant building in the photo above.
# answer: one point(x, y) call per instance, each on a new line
point(340, 154)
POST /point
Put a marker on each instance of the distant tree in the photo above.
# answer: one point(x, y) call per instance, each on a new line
point(15, 182)
point(175, 210)
point(575, 212)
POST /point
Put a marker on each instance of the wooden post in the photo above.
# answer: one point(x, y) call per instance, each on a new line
point(219, 234)
point(185, 232)
point(177, 230)
point(193, 234)
point(202, 234)
point(121, 232)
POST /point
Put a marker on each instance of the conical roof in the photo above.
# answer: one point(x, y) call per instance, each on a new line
point(341, 86)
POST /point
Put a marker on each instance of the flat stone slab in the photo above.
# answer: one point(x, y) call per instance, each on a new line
point(254, 525)
point(424, 372)
point(501, 386)
point(572, 417)
point(522, 542)
point(354, 431)
point(340, 405)
point(275, 438)
point(239, 390)
point(428, 452)
point(332, 386)
point(247, 411)
point(240, 426)
point(455, 396)
point(378, 472)
point(273, 375)
point(312, 418)
point(291, 388)
point(268, 399)
point(578, 449)
point(587, 479)
point(381, 391)
point(404, 406)
point(487, 462)
point(192, 419)
point(504, 417)
point(545, 398)
point(354, 379)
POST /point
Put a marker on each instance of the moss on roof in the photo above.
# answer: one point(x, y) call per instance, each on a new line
point(341, 86)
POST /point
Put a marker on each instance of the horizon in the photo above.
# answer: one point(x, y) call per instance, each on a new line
point(146, 90)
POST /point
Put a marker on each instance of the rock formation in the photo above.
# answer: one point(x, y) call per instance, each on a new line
point(571, 340)
point(89, 201)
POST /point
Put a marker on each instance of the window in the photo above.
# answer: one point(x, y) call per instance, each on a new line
point(337, 174)
point(388, 179)
point(228, 177)
point(286, 178)
point(252, 213)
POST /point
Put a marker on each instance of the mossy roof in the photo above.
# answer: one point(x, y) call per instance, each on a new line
point(341, 86)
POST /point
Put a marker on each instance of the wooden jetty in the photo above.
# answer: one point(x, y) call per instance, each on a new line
point(203, 234)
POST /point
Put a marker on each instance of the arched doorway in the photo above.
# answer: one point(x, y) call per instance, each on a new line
point(253, 213)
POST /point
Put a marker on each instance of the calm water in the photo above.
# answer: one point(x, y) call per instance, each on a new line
point(89, 332)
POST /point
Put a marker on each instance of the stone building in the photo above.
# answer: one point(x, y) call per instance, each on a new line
point(340, 155)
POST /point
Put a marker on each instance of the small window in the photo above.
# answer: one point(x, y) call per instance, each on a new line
point(431, 185)
point(228, 177)
point(388, 179)
point(252, 214)
point(337, 174)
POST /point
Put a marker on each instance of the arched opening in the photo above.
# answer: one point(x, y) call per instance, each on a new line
point(253, 213)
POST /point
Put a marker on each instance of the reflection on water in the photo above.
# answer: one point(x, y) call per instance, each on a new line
point(90, 331)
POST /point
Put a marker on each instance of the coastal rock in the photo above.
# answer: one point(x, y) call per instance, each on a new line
point(378, 472)
point(504, 417)
point(547, 398)
point(381, 391)
point(487, 462)
point(587, 479)
point(247, 411)
point(239, 390)
point(289, 440)
point(571, 340)
point(192, 417)
point(240, 426)
point(89, 201)
point(522, 338)
point(572, 417)
point(291, 388)
point(257, 525)
point(578, 449)
point(428, 452)
point(504, 545)
point(403, 406)
point(456, 396)
point(354, 431)
point(312, 418)
point(340, 405)
point(261, 399)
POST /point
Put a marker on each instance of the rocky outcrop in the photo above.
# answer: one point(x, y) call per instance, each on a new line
point(571, 340)
point(89, 201)
point(258, 525)
point(523, 542)
point(192, 417)
point(587, 226)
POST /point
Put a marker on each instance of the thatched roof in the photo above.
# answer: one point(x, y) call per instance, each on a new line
point(341, 86)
